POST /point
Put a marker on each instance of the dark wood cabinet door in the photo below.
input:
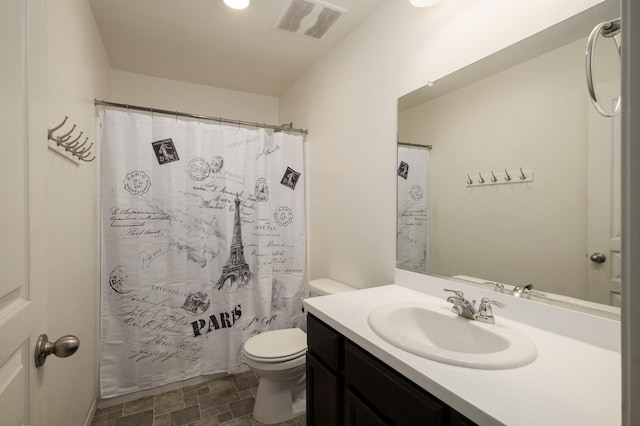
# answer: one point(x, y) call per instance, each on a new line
point(357, 413)
point(346, 385)
point(325, 343)
point(397, 399)
point(458, 419)
point(324, 395)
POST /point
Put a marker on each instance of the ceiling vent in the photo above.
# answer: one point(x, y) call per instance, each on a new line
point(310, 18)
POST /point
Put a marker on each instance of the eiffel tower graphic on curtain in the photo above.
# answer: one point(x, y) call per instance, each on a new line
point(236, 269)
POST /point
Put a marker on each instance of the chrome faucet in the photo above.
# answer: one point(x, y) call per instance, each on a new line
point(467, 309)
point(522, 290)
point(462, 306)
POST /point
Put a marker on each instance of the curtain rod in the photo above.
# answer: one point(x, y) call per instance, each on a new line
point(415, 144)
point(287, 127)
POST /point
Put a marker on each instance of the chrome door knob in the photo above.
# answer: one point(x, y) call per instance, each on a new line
point(598, 258)
point(63, 347)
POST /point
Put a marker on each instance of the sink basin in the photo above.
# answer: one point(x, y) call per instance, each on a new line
point(434, 332)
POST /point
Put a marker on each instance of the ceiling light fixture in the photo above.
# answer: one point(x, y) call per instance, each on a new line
point(422, 3)
point(237, 4)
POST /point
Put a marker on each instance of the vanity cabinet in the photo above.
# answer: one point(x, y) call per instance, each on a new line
point(348, 386)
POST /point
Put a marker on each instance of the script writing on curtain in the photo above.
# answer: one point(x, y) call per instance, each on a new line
point(203, 245)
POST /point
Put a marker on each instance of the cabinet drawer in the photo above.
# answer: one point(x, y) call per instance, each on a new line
point(325, 343)
point(397, 399)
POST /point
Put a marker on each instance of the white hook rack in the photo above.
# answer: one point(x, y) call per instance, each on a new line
point(75, 150)
point(499, 177)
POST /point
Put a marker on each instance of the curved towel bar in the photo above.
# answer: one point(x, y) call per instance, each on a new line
point(608, 30)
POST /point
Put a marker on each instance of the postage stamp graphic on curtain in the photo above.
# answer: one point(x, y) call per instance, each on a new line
point(216, 164)
point(165, 151)
point(403, 170)
point(118, 280)
point(416, 192)
point(198, 169)
point(283, 215)
point(137, 182)
point(196, 303)
point(262, 190)
point(290, 178)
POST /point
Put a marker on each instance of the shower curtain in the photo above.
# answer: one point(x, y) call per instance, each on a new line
point(413, 209)
point(203, 245)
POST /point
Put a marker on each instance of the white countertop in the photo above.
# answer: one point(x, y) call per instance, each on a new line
point(570, 383)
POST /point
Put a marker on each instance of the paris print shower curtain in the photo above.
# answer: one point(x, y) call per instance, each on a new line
point(203, 245)
point(413, 247)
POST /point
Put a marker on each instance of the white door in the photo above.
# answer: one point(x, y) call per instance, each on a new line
point(604, 201)
point(22, 150)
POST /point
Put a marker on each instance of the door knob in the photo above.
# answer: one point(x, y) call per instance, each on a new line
point(598, 257)
point(63, 347)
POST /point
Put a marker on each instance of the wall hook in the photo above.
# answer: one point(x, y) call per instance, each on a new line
point(497, 178)
point(74, 147)
point(50, 131)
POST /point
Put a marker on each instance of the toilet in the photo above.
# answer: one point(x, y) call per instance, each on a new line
point(278, 358)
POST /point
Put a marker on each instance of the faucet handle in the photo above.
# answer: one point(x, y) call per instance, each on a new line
point(485, 306)
point(456, 292)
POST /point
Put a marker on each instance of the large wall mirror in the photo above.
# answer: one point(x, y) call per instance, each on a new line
point(508, 175)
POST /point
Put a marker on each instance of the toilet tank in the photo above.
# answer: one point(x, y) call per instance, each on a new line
point(324, 286)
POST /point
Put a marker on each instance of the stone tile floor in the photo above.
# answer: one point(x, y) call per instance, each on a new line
point(227, 401)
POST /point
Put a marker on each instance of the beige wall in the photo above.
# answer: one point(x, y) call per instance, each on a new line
point(532, 116)
point(77, 71)
point(348, 102)
point(137, 89)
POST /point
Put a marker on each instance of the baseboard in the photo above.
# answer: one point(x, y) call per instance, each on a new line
point(91, 413)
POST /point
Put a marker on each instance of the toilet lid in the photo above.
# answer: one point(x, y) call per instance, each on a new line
point(277, 344)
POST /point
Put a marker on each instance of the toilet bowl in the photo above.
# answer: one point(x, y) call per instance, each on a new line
point(278, 358)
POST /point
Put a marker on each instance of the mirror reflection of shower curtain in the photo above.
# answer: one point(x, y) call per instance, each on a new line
point(203, 245)
point(414, 209)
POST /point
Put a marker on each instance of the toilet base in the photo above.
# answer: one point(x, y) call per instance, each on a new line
point(280, 401)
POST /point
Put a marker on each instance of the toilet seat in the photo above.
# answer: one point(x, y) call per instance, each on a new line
point(276, 360)
point(277, 345)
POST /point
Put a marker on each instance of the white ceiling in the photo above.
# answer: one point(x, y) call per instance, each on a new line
point(205, 42)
